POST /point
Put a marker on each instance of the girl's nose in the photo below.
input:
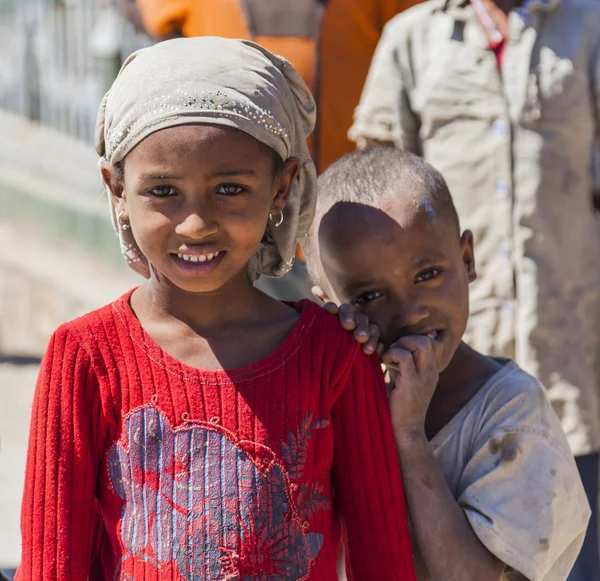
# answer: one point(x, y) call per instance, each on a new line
point(197, 224)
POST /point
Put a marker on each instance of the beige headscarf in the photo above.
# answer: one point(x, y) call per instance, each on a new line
point(235, 83)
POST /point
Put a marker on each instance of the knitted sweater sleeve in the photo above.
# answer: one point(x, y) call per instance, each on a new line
point(367, 479)
point(58, 512)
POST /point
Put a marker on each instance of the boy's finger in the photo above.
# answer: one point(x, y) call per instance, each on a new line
point(401, 360)
point(371, 345)
point(421, 348)
point(331, 308)
point(347, 316)
point(380, 348)
point(361, 330)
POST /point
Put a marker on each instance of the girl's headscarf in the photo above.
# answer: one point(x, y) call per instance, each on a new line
point(235, 83)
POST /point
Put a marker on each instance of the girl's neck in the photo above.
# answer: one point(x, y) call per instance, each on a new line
point(204, 312)
point(225, 329)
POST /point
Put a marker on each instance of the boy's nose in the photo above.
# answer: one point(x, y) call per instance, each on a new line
point(409, 315)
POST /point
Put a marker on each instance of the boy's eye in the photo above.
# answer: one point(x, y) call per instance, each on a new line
point(428, 274)
point(366, 297)
point(230, 190)
point(162, 191)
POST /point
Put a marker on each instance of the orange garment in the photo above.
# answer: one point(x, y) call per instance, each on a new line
point(349, 34)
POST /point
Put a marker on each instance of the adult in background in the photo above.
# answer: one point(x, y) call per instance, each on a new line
point(504, 99)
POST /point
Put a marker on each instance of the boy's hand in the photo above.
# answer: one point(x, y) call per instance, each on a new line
point(367, 334)
point(413, 365)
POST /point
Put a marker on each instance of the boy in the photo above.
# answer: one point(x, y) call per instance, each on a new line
point(492, 488)
point(503, 98)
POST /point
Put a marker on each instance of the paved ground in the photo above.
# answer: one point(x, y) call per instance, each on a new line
point(17, 381)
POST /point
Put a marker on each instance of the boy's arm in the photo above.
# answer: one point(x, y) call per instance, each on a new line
point(384, 114)
point(57, 518)
point(450, 549)
point(367, 479)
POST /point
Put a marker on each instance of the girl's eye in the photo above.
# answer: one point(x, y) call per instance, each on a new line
point(366, 297)
point(428, 275)
point(230, 190)
point(162, 191)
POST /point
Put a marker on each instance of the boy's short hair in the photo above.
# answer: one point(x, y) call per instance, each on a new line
point(370, 177)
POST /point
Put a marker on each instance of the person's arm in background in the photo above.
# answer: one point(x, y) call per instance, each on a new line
point(384, 115)
point(160, 19)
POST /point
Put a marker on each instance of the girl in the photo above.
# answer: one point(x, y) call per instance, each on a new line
point(196, 429)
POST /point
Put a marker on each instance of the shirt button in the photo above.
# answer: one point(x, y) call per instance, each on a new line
point(502, 190)
point(499, 127)
point(505, 251)
point(508, 307)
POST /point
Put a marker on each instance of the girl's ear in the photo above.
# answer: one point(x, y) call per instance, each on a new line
point(284, 181)
point(468, 254)
point(114, 184)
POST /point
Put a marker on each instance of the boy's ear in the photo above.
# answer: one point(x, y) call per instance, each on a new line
point(321, 294)
point(468, 254)
point(284, 183)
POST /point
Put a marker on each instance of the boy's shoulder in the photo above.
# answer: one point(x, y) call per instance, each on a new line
point(512, 440)
point(515, 401)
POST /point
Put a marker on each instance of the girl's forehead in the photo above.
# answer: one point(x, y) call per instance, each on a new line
point(208, 143)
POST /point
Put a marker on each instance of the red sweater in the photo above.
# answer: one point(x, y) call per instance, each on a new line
point(143, 468)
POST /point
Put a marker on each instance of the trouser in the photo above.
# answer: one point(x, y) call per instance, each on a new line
point(587, 566)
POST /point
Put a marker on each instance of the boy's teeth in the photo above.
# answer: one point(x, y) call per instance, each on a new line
point(433, 336)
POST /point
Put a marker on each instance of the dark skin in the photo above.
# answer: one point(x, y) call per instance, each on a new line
point(416, 291)
point(190, 192)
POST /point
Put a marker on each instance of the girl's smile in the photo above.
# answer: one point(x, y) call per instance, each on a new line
point(198, 262)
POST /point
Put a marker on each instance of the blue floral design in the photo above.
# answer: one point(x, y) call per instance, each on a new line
point(213, 508)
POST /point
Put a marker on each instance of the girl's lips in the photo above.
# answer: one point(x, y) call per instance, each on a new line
point(198, 264)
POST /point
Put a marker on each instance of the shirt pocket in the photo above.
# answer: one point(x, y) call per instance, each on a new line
point(462, 82)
